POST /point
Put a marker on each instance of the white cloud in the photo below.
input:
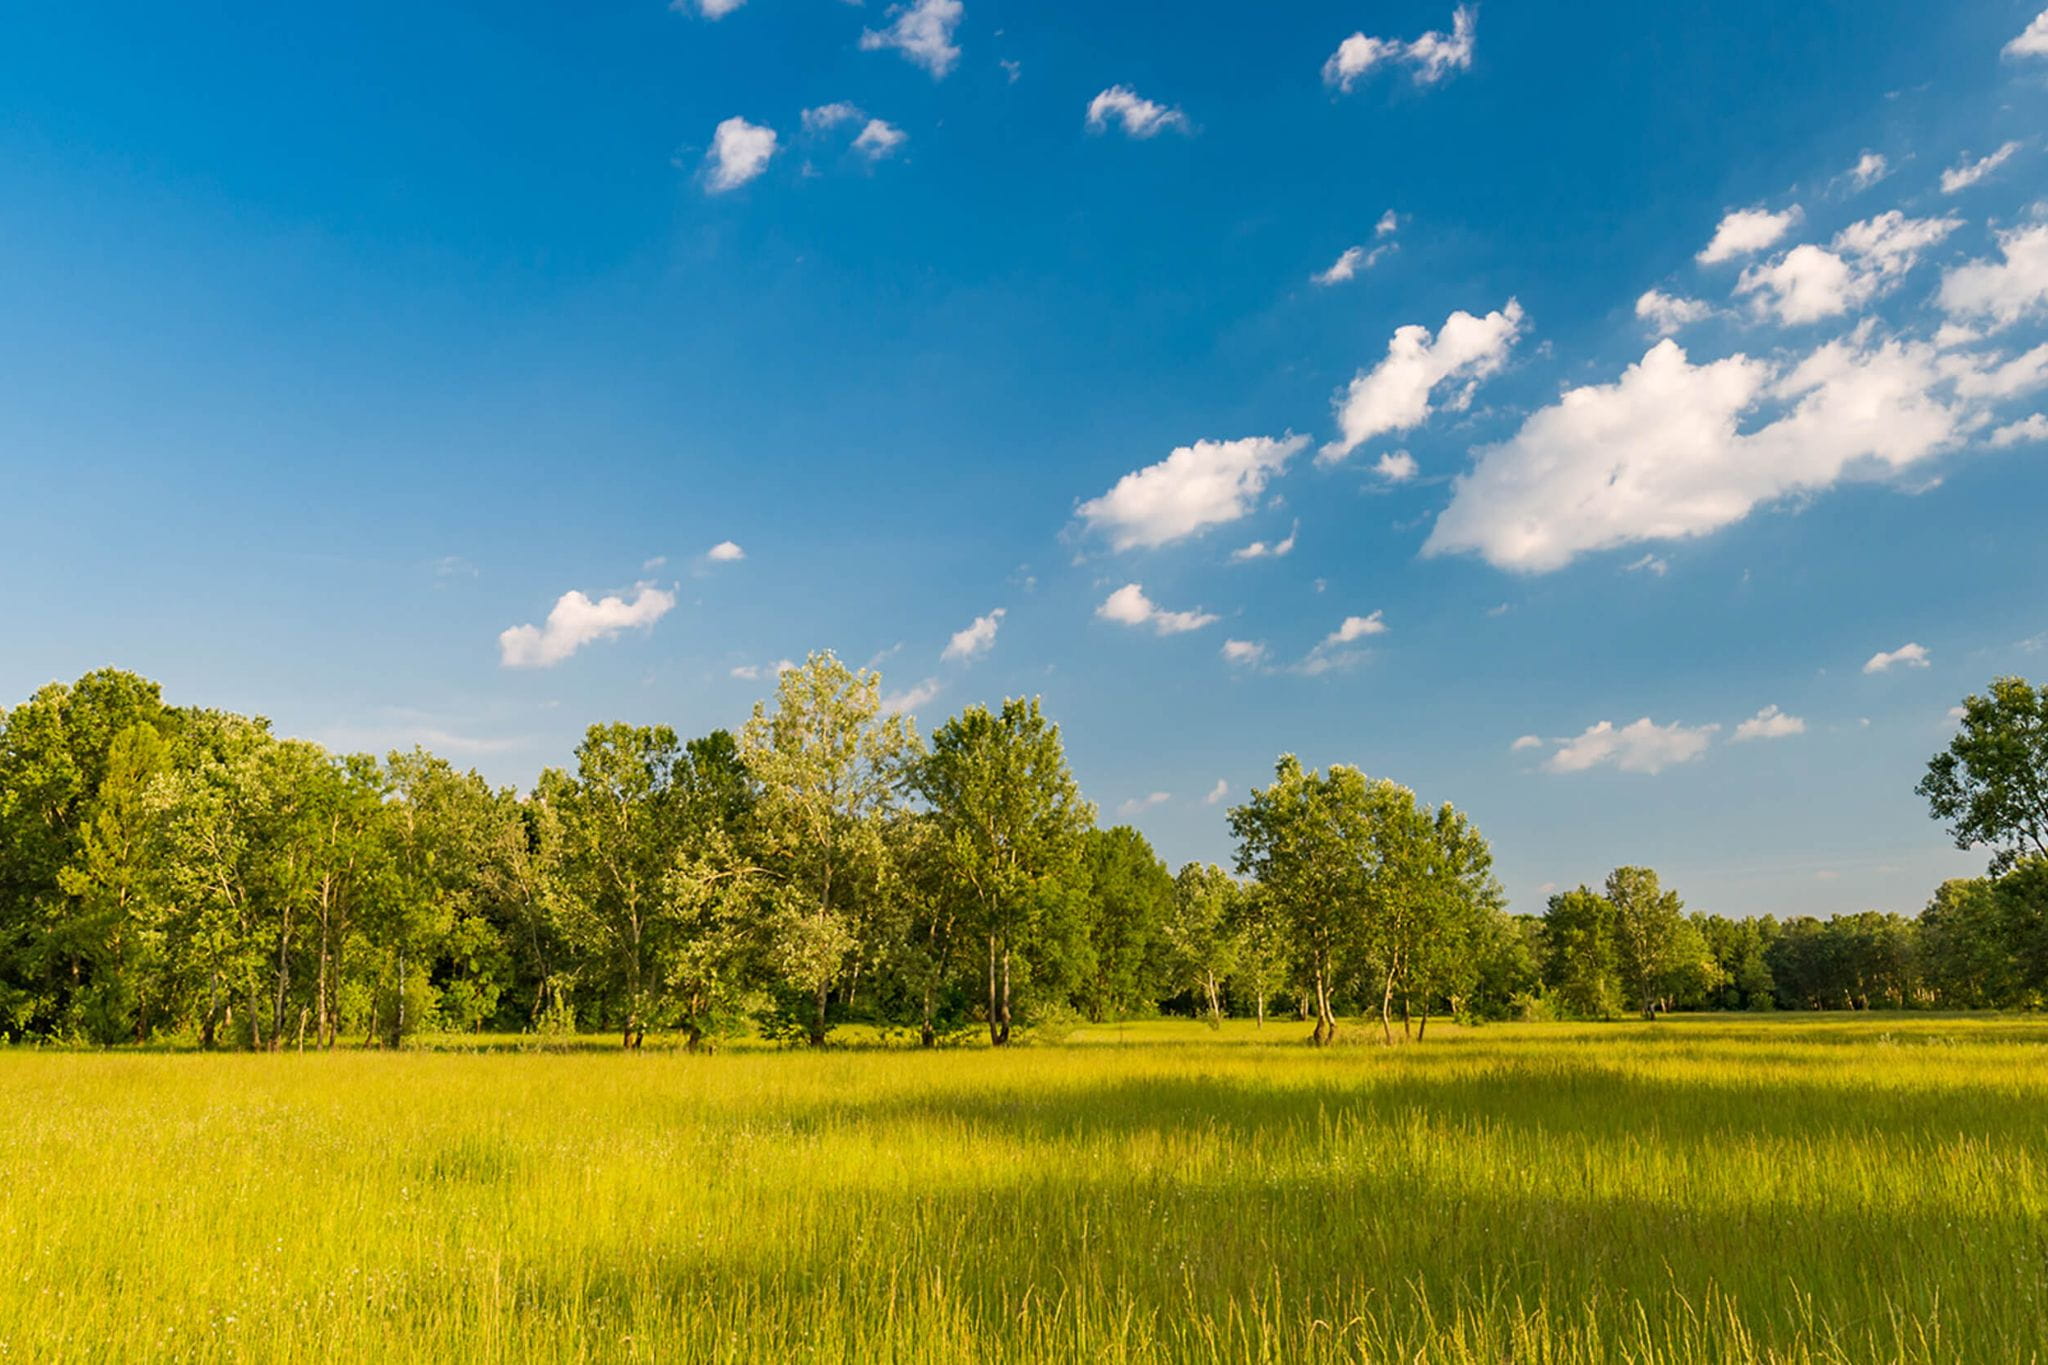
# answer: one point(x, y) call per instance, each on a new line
point(1989, 377)
point(1218, 792)
point(1389, 223)
point(1905, 656)
point(2003, 291)
point(1870, 168)
point(1746, 230)
point(1129, 606)
point(710, 9)
point(753, 671)
point(739, 151)
point(975, 640)
point(1648, 564)
point(1526, 742)
point(1657, 455)
point(576, 621)
point(1769, 723)
point(1345, 267)
point(1432, 56)
point(2029, 430)
point(1138, 805)
point(828, 116)
point(1395, 394)
point(2033, 39)
point(1667, 313)
point(1396, 466)
point(1808, 282)
point(879, 139)
point(1259, 549)
point(725, 552)
point(922, 32)
point(1967, 173)
point(1641, 746)
point(1140, 117)
point(1206, 484)
point(897, 703)
point(1356, 628)
point(1245, 652)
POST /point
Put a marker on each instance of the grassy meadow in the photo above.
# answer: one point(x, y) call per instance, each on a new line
point(1866, 1189)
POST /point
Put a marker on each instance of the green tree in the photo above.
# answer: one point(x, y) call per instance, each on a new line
point(1991, 784)
point(1579, 952)
point(1008, 822)
point(1201, 934)
point(1129, 896)
point(1649, 936)
point(831, 769)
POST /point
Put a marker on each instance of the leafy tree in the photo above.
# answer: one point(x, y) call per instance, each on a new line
point(1650, 942)
point(1457, 912)
point(1964, 948)
point(1130, 895)
point(1007, 822)
point(1259, 935)
point(1579, 951)
point(1991, 784)
point(832, 769)
point(1200, 934)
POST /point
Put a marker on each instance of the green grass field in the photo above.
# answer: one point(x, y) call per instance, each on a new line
point(1790, 1189)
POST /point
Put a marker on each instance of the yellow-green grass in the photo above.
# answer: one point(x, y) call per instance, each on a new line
point(1792, 1189)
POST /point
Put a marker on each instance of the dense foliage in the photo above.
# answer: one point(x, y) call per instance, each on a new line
point(177, 872)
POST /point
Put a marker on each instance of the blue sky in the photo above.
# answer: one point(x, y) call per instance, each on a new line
point(342, 343)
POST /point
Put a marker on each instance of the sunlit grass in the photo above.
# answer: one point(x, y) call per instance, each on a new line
point(1796, 1189)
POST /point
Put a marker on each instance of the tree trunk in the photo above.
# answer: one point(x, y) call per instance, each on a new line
point(1006, 993)
point(1260, 1014)
point(1387, 1009)
point(1326, 1024)
point(1423, 1031)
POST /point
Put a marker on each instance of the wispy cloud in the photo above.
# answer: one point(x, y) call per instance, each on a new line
point(577, 621)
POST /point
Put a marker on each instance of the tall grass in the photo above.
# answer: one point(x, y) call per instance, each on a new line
point(1790, 1190)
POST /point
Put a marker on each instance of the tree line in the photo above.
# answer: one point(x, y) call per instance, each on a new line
point(184, 873)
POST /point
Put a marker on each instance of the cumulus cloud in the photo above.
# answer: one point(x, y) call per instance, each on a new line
point(923, 32)
point(1657, 455)
point(1667, 313)
point(1140, 117)
point(1429, 58)
point(1905, 656)
point(1259, 549)
point(1809, 282)
point(897, 703)
point(2002, 291)
point(1138, 805)
point(1744, 231)
point(1396, 466)
point(878, 139)
point(1870, 168)
point(1966, 173)
point(1206, 484)
point(1129, 606)
point(725, 552)
point(1356, 628)
point(828, 116)
point(576, 621)
point(2029, 430)
point(2033, 39)
point(1770, 723)
point(739, 151)
point(1245, 652)
point(973, 641)
point(1642, 746)
point(1395, 394)
point(1217, 793)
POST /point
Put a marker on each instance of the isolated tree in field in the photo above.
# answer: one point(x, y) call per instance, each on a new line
point(1008, 822)
point(1649, 934)
point(1309, 839)
point(831, 770)
point(1990, 786)
point(1200, 934)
